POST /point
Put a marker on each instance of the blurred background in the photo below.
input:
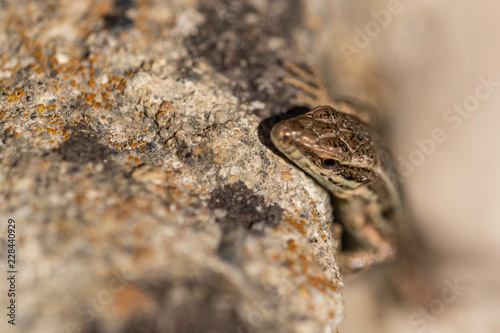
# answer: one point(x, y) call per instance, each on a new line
point(433, 66)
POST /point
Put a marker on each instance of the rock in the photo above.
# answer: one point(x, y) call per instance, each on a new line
point(145, 193)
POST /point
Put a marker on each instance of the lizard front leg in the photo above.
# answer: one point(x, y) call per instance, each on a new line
point(373, 246)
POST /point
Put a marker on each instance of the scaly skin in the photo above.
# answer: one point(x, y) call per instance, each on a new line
point(344, 155)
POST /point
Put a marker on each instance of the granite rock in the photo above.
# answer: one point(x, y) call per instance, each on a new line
point(136, 165)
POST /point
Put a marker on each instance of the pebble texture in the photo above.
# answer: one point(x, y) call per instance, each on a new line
point(136, 162)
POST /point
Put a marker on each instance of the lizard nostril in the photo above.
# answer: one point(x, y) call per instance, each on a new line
point(280, 132)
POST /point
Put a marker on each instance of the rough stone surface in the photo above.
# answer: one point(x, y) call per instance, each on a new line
point(136, 164)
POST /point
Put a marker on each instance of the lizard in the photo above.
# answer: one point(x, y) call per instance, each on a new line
point(336, 144)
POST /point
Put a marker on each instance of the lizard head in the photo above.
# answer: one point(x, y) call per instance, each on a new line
point(335, 148)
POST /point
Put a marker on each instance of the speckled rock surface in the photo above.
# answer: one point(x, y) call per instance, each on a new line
point(135, 162)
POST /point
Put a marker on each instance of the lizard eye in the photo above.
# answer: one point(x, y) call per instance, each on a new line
point(329, 163)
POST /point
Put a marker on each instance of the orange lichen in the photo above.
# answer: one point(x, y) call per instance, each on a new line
point(197, 150)
point(299, 225)
point(74, 73)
